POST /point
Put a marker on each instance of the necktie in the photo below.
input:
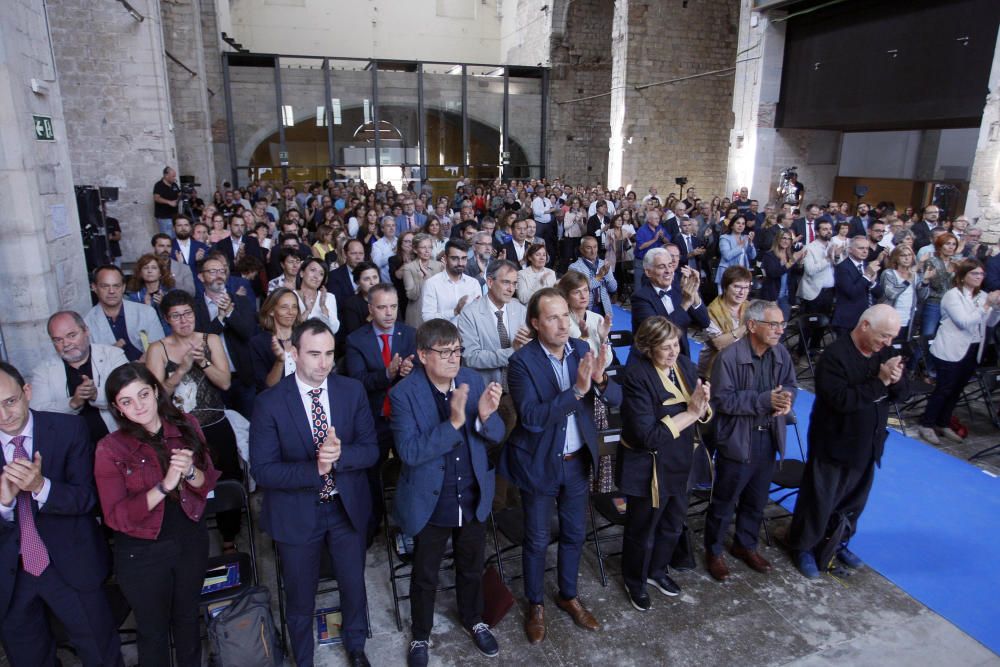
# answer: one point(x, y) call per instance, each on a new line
point(386, 359)
point(409, 222)
point(320, 429)
point(504, 344)
point(668, 303)
point(34, 555)
point(812, 235)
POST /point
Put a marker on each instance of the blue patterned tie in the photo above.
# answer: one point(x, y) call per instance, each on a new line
point(320, 429)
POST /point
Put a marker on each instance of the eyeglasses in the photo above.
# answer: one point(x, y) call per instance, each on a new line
point(740, 288)
point(214, 272)
point(775, 326)
point(177, 317)
point(449, 354)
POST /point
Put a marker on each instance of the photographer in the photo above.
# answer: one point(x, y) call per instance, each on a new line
point(166, 201)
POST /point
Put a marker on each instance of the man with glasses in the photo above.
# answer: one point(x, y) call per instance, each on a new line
point(482, 255)
point(753, 388)
point(445, 294)
point(54, 559)
point(118, 321)
point(444, 418)
point(73, 384)
point(232, 317)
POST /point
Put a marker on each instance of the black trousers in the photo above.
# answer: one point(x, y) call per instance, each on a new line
point(828, 490)
point(952, 376)
point(650, 537)
point(468, 546)
point(226, 458)
point(822, 304)
point(740, 487)
point(162, 579)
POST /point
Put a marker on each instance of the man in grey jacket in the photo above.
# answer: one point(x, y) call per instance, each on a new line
point(753, 386)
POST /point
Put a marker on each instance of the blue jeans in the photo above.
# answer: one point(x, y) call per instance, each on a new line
point(572, 496)
point(166, 226)
point(930, 320)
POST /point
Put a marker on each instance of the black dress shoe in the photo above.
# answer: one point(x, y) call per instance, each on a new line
point(639, 600)
point(417, 657)
point(358, 658)
point(484, 640)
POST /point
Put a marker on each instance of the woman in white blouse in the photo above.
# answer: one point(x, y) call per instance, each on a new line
point(536, 275)
point(415, 273)
point(584, 324)
point(966, 313)
point(314, 300)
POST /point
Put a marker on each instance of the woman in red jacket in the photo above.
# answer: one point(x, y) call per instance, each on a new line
point(153, 476)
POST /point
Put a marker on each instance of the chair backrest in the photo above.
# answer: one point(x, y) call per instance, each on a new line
point(620, 338)
point(228, 494)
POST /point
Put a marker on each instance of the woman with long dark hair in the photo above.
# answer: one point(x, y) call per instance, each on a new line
point(153, 477)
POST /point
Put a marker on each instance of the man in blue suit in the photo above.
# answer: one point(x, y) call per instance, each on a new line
point(856, 286)
point(51, 551)
point(443, 417)
point(312, 440)
point(410, 220)
point(662, 295)
point(554, 381)
point(185, 248)
point(379, 355)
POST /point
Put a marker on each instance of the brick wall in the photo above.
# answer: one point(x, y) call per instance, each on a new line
point(115, 97)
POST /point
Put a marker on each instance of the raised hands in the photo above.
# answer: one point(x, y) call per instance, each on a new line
point(329, 452)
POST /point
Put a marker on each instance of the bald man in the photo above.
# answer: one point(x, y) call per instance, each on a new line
point(857, 378)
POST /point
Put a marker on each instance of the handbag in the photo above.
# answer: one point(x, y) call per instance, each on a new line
point(497, 598)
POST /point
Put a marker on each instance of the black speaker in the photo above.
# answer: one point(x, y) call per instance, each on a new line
point(95, 245)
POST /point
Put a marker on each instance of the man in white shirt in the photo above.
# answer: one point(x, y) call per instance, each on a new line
point(445, 294)
point(652, 195)
point(816, 286)
point(384, 248)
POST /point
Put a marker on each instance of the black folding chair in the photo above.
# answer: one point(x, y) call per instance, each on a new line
point(787, 476)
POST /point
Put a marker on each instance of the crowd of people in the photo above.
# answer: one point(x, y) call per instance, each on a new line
point(469, 337)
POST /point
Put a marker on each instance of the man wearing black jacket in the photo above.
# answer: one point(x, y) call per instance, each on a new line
point(857, 379)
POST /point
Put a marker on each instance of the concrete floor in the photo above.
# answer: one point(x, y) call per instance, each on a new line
point(779, 619)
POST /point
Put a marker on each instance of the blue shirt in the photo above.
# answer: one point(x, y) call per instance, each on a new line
point(561, 369)
point(644, 235)
point(120, 331)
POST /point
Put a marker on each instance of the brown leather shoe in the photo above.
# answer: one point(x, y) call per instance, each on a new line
point(534, 624)
point(751, 558)
point(717, 566)
point(579, 613)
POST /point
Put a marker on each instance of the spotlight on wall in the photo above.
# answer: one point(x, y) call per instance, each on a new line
point(132, 11)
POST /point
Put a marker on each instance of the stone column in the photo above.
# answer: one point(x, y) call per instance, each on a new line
point(984, 184)
point(42, 267)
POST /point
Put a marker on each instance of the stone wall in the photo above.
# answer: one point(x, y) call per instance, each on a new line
point(581, 67)
point(42, 266)
point(116, 103)
point(189, 90)
point(984, 186)
point(678, 129)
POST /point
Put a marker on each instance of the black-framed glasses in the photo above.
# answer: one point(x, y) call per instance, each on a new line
point(775, 326)
point(450, 353)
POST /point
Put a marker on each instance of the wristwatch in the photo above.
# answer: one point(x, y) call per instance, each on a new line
point(191, 475)
point(207, 363)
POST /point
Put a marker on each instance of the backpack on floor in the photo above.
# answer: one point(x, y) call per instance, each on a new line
point(243, 633)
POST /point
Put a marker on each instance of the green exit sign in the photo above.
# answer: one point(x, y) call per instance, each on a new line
point(43, 128)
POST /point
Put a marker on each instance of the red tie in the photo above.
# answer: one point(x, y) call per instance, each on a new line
point(812, 236)
point(386, 359)
point(34, 555)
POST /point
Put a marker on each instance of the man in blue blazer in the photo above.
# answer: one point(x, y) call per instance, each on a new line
point(662, 295)
point(379, 355)
point(443, 419)
point(185, 248)
point(856, 286)
point(312, 440)
point(554, 381)
point(52, 553)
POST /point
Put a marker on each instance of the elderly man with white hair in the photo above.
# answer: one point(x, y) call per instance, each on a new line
point(857, 379)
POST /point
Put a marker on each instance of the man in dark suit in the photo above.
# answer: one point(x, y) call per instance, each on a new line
point(185, 248)
point(855, 285)
point(312, 440)
point(550, 454)
point(922, 229)
point(516, 249)
point(232, 317)
point(804, 228)
point(692, 248)
point(52, 553)
point(239, 242)
point(379, 355)
point(597, 223)
point(678, 301)
point(340, 282)
point(444, 418)
point(860, 222)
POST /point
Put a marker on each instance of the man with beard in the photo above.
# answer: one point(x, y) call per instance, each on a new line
point(185, 248)
point(232, 317)
point(447, 292)
point(74, 383)
point(183, 278)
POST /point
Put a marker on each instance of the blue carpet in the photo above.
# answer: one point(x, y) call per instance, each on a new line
point(931, 526)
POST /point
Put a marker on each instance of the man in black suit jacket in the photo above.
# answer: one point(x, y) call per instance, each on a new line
point(692, 248)
point(922, 229)
point(518, 238)
point(804, 228)
point(238, 241)
point(856, 287)
point(662, 295)
point(53, 556)
point(312, 441)
point(366, 362)
point(860, 222)
point(232, 317)
point(597, 223)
